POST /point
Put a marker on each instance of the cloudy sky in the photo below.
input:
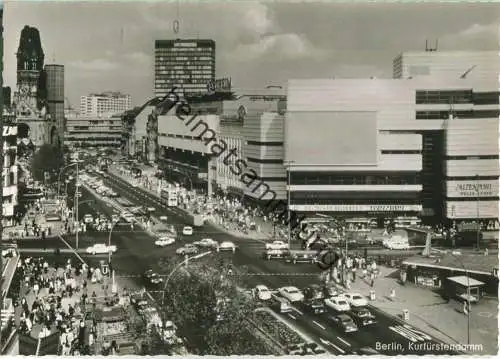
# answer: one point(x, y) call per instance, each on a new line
point(109, 45)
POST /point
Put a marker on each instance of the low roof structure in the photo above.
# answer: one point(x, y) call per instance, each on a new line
point(466, 281)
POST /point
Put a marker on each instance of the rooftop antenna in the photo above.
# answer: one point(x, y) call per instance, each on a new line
point(426, 45)
point(53, 57)
point(176, 21)
point(436, 48)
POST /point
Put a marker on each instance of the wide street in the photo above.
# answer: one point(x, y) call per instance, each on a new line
point(137, 253)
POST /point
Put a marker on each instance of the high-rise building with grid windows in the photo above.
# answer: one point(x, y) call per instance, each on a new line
point(187, 64)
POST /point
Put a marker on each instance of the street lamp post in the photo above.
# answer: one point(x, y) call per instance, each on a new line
point(60, 173)
point(77, 192)
point(478, 234)
point(289, 195)
point(185, 261)
point(468, 301)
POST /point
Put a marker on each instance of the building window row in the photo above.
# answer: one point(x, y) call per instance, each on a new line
point(401, 152)
point(366, 195)
point(486, 98)
point(260, 160)
point(468, 158)
point(443, 97)
point(471, 199)
point(354, 201)
point(269, 144)
point(442, 115)
point(385, 178)
point(472, 178)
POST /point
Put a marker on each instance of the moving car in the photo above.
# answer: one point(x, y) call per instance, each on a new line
point(362, 317)
point(281, 305)
point(129, 217)
point(187, 249)
point(165, 241)
point(338, 303)
point(152, 277)
point(88, 219)
point(261, 292)
point(293, 294)
point(187, 231)
point(277, 245)
point(115, 218)
point(206, 243)
point(226, 246)
point(274, 254)
point(344, 322)
point(101, 248)
point(356, 300)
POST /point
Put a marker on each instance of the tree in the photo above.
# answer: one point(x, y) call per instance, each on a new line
point(49, 159)
point(197, 302)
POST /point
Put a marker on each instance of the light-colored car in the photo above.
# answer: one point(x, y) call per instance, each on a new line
point(129, 217)
point(115, 218)
point(207, 243)
point(187, 231)
point(277, 245)
point(88, 219)
point(187, 249)
point(226, 246)
point(165, 241)
point(261, 292)
point(356, 299)
point(293, 294)
point(338, 303)
point(101, 248)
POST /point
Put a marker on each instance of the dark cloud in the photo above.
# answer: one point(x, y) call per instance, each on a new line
point(109, 46)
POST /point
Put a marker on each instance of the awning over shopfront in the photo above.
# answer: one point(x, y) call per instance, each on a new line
point(466, 281)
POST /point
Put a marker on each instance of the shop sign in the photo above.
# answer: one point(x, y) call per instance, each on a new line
point(357, 208)
point(219, 85)
point(472, 189)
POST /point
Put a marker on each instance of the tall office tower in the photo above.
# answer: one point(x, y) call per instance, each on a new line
point(104, 103)
point(55, 101)
point(186, 64)
point(30, 97)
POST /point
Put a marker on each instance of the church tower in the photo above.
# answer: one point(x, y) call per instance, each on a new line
point(30, 97)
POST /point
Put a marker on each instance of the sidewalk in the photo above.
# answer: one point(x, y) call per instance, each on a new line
point(431, 313)
point(266, 229)
point(17, 232)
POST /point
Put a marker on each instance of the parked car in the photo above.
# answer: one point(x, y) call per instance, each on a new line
point(152, 277)
point(187, 231)
point(261, 292)
point(277, 245)
point(356, 300)
point(88, 219)
point(226, 246)
point(338, 303)
point(101, 248)
point(206, 243)
point(362, 317)
point(187, 249)
point(165, 241)
point(293, 294)
point(52, 216)
point(344, 322)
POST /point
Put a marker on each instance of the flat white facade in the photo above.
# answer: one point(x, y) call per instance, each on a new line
point(10, 175)
point(479, 65)
point(104, 104)
point(319, 120)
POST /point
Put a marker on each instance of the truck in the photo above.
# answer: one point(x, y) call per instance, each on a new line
point(195, 220)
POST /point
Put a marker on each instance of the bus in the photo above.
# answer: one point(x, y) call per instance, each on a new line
point(169, 196)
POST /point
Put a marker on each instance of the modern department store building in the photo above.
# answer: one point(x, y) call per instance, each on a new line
point(424, 143)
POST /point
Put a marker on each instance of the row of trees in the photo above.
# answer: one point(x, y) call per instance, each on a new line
point(49, 159)
point(196, 300)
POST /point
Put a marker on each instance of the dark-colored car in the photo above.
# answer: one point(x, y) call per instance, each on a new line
point(344, 322)
point(362, 316)
point(187, 249)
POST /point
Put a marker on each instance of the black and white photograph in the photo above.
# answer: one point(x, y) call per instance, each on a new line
point(280, 178)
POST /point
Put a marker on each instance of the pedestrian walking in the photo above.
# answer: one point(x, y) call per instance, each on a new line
point(372, 279)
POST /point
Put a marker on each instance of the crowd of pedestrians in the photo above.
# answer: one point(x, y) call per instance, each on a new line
point(55, 300)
